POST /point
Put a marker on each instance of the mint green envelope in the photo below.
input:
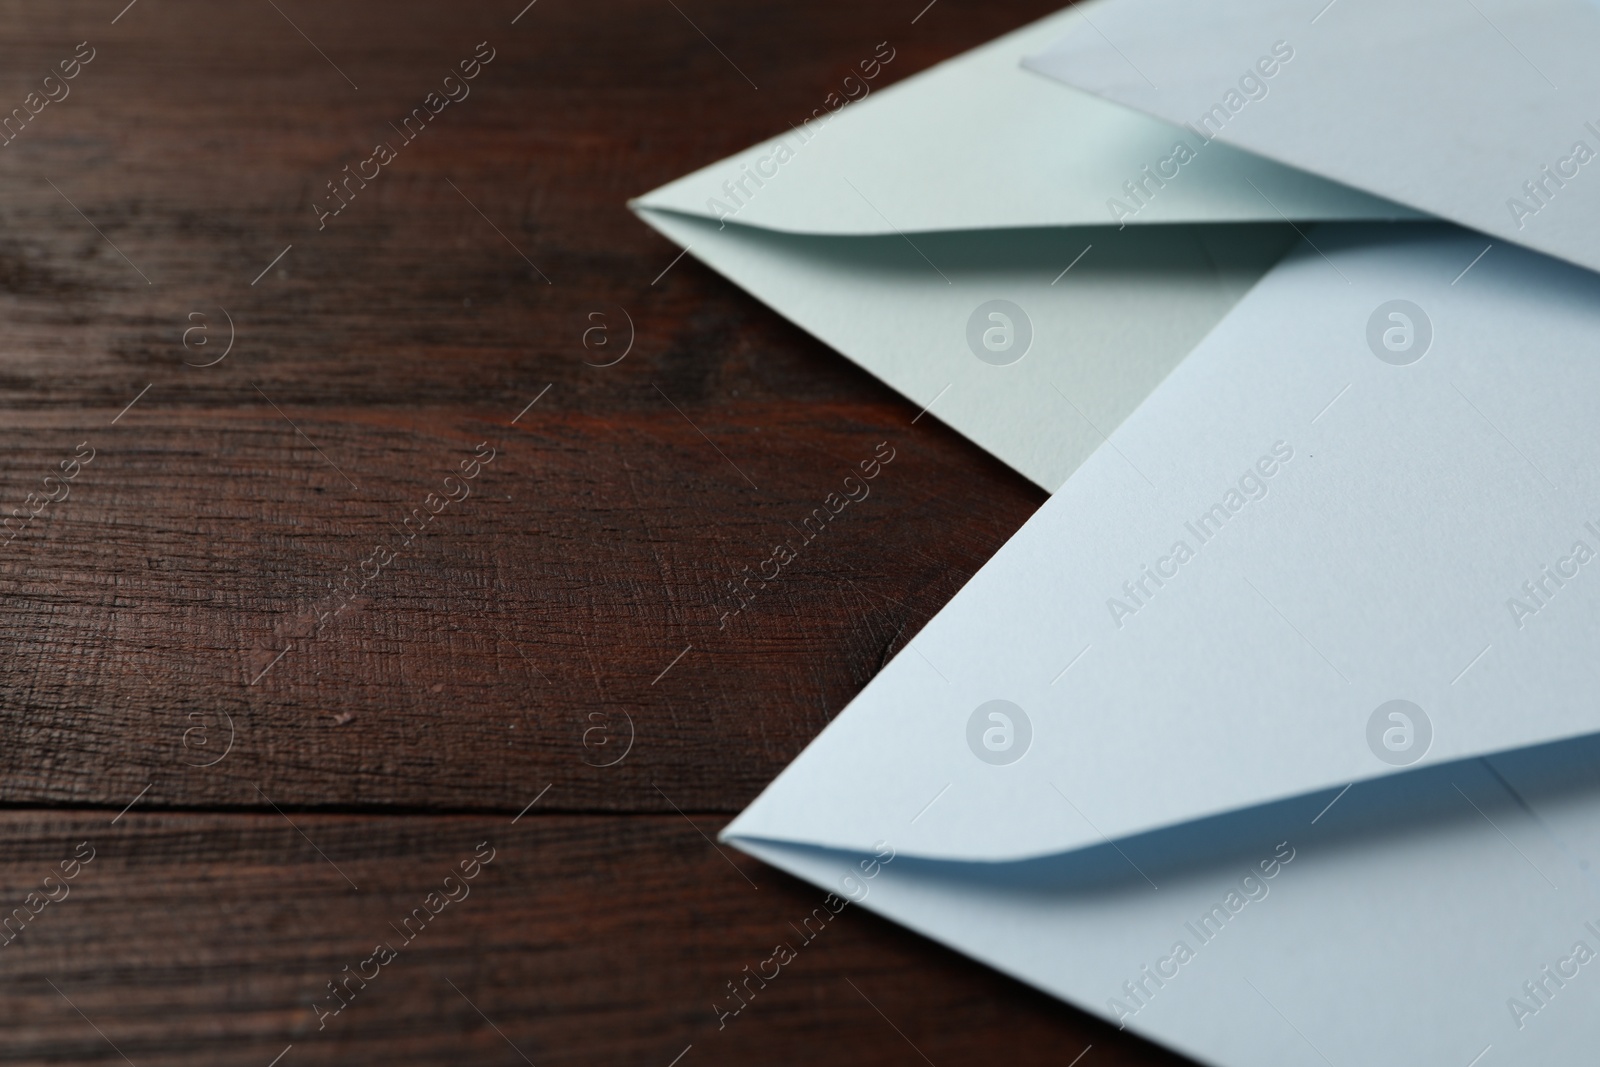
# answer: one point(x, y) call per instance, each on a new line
point(888, 228)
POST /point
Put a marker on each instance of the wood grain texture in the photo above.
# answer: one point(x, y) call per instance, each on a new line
point(205, 939)
point(163, 637)
point(376, 354)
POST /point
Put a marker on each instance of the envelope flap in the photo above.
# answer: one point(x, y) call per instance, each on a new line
point(1482, 113)
point(1348, 535)
point(979, 143)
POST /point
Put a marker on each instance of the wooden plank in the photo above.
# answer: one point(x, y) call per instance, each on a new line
point(150, 607)
point(155, 615)
point(204, 939)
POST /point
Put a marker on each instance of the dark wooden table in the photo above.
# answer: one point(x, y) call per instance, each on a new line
point(277, 713)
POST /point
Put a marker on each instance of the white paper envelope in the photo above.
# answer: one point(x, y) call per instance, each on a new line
point(1483, 112)
point(1198, 750)
point(950, 235)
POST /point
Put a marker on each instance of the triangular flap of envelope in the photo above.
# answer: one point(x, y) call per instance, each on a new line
point(1357, 530)
point(978, 143)
point(1344, 912)
point(1483, 113)
point(1133, 304)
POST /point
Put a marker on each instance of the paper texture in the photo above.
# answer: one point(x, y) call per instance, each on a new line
point(979, 143)
point(1294, 530)
point(1480, 112)
point(1406, 928)
point(1200, 873)
point(886, 228)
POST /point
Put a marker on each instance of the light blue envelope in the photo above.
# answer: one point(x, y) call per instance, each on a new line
point(1320, 786)
point(1483, 112)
